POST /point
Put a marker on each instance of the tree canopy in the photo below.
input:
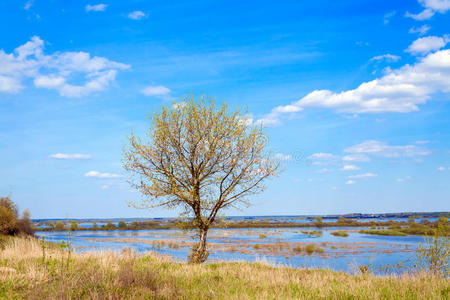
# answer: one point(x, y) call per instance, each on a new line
point(200, 157)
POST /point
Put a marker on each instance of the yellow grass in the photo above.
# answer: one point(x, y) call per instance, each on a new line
point(109, 275)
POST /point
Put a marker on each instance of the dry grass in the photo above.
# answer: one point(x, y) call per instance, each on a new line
point(126, 275)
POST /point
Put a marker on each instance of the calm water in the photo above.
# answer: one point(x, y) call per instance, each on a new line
point(274, 245)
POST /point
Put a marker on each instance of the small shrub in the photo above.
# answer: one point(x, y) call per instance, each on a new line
point(310, 249)
point(9, 204)
point(73, 225)
point(122, 225)
point(24, 224)
point(340, 233)
point(8, 221)
point(298, 249)
point(262, 236)
point(59, 226)
point(434, 254)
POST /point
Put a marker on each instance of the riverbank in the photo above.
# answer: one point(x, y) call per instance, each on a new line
point(33, 269)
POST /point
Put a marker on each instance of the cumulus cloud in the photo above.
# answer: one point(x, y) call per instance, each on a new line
point(350, 182)
point(137, 15)
point(420, 30)
point(431, 7)
point(387, 57)
point(56, 71)
point(398, 91)
point(75, 156)
point(96, 174)
point(356, 158)
point(378, 148)
point(427, 44)
point(96, 7)
point(350, 168)
point(365, 175)
point(441, 169)
point(157, 90)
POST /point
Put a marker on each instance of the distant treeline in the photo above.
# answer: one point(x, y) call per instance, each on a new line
point(424, 227)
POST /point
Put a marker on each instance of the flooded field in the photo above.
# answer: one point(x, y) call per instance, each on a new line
point(296, 247)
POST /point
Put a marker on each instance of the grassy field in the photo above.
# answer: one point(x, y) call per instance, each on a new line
point(29, 270)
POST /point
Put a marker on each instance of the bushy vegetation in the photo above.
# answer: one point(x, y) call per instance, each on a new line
point(309, 249)
point(10, 223)
point(412, 228)
point(434, 253)
point(340, 233)
point(389, 232)
point(25, 273)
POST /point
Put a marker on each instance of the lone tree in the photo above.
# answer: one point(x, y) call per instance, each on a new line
point(200, 158)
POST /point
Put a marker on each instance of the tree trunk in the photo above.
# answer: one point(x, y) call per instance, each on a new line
point(199, 252)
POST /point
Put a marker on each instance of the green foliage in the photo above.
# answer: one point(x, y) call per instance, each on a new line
point(10, 205)
point(383, 232)
point(443, 220)
point(59, 226)
point(434, 253)
point(340, 233)
point(8, 221)
point(73, 225)
point(200, 158)
point(122, 225)
point(24, 224)
point(109, 226)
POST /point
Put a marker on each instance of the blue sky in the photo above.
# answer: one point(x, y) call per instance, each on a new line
point(354, 94)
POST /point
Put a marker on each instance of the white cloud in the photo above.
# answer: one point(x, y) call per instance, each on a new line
point(104, 187)
point(321, 155)
point(323, 158)
point(431, 7)
point(137, 15)
point(427, 44)
point(420, 30)
point(55, 71)
point(356, 158)
point(378, 148)
point(388, 16)
point(157, 90)
point(424, 15)
point(422, 142)
point(75, 156)
point(386, 57)
point(324, 170)
point(28, 4)
point(282, 157)
point(365, 175)
point(97, 7)
point(350, 182)
point(441, 169)
point(398, 91)
point(350, 168)
point(407, 178)
point(96, 174)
